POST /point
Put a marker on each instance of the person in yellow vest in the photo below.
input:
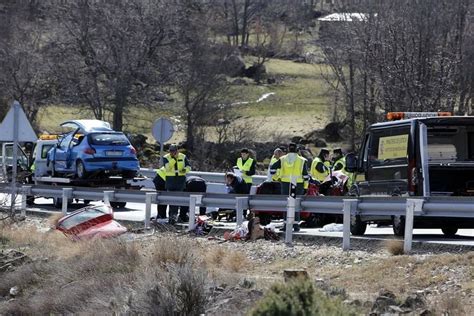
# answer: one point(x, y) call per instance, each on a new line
point(339, 161)
point(340, 165)
point(293, 173)
point(246, 166)
point(176, 167)
point(160, 185)
point(277, 154)
point(320, 166)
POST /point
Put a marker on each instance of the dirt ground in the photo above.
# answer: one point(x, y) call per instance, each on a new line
point(430, 281)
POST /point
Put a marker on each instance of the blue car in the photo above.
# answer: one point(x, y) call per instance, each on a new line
point(92, 149)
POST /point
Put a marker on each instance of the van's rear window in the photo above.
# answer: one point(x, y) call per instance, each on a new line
point(108, 139)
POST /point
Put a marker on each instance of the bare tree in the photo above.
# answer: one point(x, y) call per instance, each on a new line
point(196, 65)
point(110, 52)
point(24, 66)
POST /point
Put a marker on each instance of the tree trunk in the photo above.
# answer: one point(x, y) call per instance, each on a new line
point(244, 23)
point(189, 127)
point(351, 103)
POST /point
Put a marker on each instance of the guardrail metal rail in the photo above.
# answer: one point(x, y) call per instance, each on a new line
point(346, 206)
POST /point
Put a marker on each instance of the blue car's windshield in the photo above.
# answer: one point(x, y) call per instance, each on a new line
point(108, 139)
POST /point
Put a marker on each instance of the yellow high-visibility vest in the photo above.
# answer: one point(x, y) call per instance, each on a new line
point(320, 176)
point(245, 167)
point(162, 173)
point(276, 176)
point(292, 170)
point(175, 166)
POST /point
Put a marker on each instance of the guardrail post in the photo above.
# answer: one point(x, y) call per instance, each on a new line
point(26, 190)
point(67, 194)
point(149, 197)
point(290, 219)
point(241, 204)
point(194, 200)
point(413, 206)
point(108, 196)
point(350, 207)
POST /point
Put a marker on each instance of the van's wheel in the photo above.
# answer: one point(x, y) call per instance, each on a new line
point(449, 231)
point(81, 172)
point(265, 219)
point(358, 227)
point(87, 202)
point(398, 225)
point(118, 204)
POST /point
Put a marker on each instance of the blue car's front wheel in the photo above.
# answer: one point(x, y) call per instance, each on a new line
point(81, 172)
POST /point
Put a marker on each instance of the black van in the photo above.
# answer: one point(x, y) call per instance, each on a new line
point(416, 156)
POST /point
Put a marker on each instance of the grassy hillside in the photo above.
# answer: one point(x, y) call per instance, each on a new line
point(298, 104)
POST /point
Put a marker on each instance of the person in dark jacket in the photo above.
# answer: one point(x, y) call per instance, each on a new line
point(235, 184)
point(193, 184)
point(160, 185)
point(176, 166)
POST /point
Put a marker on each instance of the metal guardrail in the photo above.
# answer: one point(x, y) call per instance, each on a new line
point(346, 206)
point(214, 177)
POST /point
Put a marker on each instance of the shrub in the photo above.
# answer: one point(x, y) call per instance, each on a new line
point(172, 290)
point(298, 297)
point(173, 251)
point(394, 246)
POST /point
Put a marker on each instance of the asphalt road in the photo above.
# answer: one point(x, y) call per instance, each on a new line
point(136, 212)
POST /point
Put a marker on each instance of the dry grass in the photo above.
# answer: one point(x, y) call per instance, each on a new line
point(173, 251)
point(450, 305)
point(236, 262)
point(227, 260)
point(394, 246)
point(400, 273)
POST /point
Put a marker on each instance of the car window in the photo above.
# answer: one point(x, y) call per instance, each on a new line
point(44, 150)
point(83, 217)
point(388, 153)
point(109, 139)
point(65, 141)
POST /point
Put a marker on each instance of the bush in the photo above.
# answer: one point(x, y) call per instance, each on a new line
point(394, 247)
point(298, 297)
point(172, 290)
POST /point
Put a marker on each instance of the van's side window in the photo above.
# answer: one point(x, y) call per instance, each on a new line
point(388, 154)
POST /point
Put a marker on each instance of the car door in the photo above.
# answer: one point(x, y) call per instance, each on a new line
point(62, 153)
point(386, 159)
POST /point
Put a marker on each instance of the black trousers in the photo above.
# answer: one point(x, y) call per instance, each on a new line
point(160, 185)
point(176, 183)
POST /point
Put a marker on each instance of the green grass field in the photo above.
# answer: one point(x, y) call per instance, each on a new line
point(299, 104)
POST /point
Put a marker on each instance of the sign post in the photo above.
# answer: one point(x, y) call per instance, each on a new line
point(10, 132)
point(162, 130)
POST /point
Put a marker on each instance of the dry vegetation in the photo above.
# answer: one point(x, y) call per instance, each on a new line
point(168, 274)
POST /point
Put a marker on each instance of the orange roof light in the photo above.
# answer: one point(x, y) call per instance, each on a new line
point(48, 136)
point(393, 116)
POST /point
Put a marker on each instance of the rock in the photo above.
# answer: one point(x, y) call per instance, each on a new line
point(271, 80)
point(234, 65)
point(14, 291)
point(291, 274)
point(161, 97)
point(320, 143)
point(396, 309)
point(383, 302)
point(247, 284)
point(256, 72)
point(414, 302)
point(332, 131)
point(296, 139)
